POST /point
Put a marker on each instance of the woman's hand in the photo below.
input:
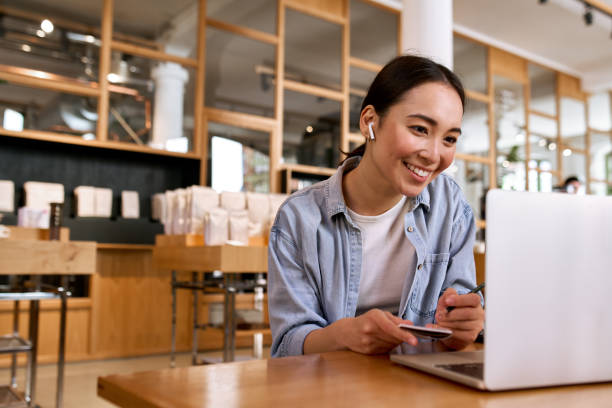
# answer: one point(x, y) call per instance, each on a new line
point(374, 332)
point(466, 320)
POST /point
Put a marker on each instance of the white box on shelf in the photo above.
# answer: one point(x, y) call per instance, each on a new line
point(130, 207)
point(103, 202)
point(40, 195)
point(7, 196)
point(85, 201)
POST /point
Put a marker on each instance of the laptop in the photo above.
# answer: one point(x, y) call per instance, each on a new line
point(548, 308)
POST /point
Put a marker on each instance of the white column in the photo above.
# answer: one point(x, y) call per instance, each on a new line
point(427, 29)
point(170, 79)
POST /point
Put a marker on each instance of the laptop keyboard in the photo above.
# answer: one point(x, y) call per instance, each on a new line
point(475, 370)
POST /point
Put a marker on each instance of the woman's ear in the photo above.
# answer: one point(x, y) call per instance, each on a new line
point(367, 122)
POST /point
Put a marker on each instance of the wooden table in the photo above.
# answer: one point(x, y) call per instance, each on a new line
point(336, 379)
point(34, 257)
point(231, 260)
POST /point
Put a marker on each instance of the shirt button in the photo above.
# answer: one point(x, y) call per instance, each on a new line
point(420, 267)
point(410, 229)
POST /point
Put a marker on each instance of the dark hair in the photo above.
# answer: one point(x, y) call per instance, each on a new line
point(570, 179)
point(399, 76)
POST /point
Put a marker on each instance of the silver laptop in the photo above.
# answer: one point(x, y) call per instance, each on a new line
point(548, 296)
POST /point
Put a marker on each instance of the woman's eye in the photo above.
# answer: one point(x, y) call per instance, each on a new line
point(450, 139)
point(420, 129)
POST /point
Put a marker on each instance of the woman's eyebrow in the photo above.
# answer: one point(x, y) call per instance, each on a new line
point(431, 121)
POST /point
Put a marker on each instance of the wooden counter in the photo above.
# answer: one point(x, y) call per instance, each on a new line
point(226, 258)
point(28, 257)
point(336, 379)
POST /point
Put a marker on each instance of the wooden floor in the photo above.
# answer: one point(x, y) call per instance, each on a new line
point(81, 378)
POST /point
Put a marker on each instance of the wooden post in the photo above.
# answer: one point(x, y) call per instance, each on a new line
point(105, 59)
point(276, 142)
point(200, 146)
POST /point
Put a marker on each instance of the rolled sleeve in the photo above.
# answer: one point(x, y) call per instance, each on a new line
point(461, 272)
point(293, 304)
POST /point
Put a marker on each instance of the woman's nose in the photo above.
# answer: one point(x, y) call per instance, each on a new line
point(430, 151)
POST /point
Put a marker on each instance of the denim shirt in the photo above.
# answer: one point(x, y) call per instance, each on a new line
point(315, 255)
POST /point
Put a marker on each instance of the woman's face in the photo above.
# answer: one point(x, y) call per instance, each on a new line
point(417, 137)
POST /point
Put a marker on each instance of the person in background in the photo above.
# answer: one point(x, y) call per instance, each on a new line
point(572, 185)
point(387, 239)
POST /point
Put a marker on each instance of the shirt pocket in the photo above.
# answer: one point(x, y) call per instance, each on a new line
point(428, 283)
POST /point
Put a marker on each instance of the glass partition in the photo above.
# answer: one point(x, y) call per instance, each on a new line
point(144, 95)
point(600, 188)
point(239, 158)
point(543, 143)
point(600, 111)
point(360, 80)
point(311, 130)
point(171, 27)
point(24, 108)
point(373, 33)
point(470, 63)
point(313, 50)
point(239, 73)
point(255, 14)
point(474, 137)
point(601, 150)
point(510, 133)
point(473, 178)
point(540, 179)
point(542, 84)
point(573, 123)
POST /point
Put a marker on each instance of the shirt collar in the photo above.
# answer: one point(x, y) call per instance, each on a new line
point(335, 198)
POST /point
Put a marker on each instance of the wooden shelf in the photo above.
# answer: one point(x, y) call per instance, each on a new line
point(363, 64)
point(47, 257)
point(75, 140)
point(302, 168)
point(45, 80)
point(152, 54)
point(226, 258)
point(127, 247)
point(243, 31)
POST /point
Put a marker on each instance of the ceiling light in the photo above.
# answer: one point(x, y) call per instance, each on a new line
point(588, 15)
point(506, 164)
point(542, 142)
point(47, 26)
point(567, 152)
point(309, 129)
point(552, 146)
point(26, 48)
point(40, 33)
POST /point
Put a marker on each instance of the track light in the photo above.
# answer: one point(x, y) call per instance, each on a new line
point(588, 15)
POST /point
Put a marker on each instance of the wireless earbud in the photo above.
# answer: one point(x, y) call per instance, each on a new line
point(371, 131)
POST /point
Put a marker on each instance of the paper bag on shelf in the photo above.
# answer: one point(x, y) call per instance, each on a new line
point(130, 205)
point(216, 227)
point(7, 196)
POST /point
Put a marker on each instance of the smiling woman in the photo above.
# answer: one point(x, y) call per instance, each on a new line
point(387, 239)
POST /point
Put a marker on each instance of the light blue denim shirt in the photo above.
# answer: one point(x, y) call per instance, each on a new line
point(315, 255)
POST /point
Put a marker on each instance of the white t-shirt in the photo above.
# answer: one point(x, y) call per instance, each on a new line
point(388, 258)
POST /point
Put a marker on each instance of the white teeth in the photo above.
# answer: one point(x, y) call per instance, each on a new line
point(418, 171)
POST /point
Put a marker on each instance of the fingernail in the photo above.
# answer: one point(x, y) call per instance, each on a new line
point(450, 301)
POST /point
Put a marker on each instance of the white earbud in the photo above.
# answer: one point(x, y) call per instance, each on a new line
point(371, 131)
